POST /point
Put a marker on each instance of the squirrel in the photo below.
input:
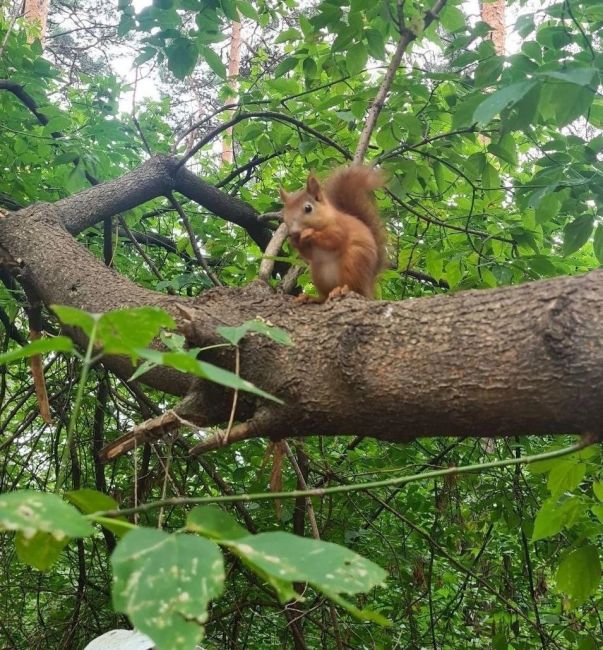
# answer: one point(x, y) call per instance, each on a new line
point(335, 226)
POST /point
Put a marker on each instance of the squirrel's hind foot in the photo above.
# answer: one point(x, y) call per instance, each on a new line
point(339, 292)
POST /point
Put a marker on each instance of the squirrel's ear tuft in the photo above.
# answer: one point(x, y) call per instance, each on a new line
point(313, 188)
point(284, 195)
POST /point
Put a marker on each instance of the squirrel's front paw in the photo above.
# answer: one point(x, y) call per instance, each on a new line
point(306, 235)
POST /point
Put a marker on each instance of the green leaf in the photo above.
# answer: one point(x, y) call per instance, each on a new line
point(126, 24)
point(564, 102)
point(286, 65)
point(525, 25)
point(212, 522)
point(375, 44)
point(595, 115)
point(552, 518)
point(247, 9)
point(597, 510)
point(577, 76)
point(576, 233)
point(598, 489)
point(452, 19)
point(64, 158)
point(328, 567)
point(500, 100)
point(252, 131)
point(488, 71)
point(40, 346)
point(505, 149)
point(356, 58)
point(88, 501)
point(553, 37)
point(598, 243)
point(453, 273)
point(235, 334)
point(290, 34)
point(164, 584)
point(532, 50)
point(310, 68)
point(57, 124)
point(41, 550)
point(229, 7)
point(565, 476)
point(182, 56)
point(548, 208)
point(123, 331)
point(186, 362)
point(490, 179)
point(43, 522)
point(214, 62)
point(76, 317)
point(579, 574)
point(229, 379)
point(463, 116)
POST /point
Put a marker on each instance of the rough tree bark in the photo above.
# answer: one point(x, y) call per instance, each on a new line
point(519, 360)
point(234, 64)
point(36, 11)
point(493, 13)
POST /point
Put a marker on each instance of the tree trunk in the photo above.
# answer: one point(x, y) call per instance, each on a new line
point(36, 11)
point(234, 64)
point(493, 13)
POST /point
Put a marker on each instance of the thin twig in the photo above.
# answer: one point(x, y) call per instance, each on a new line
point(166, 475)
point(236, 395)
point(11, 24)
point(265, 115)
point(191, 235)
point(141, 250)
point(313, 525)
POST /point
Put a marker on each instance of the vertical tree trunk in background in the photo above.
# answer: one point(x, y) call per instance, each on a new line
point(234, 64)
point(493, 13)
point(36, 11)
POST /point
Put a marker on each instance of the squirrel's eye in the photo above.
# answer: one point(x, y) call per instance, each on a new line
point(308, 207)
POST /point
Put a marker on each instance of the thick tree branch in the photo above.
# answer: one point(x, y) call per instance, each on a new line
point(24, 97)
point(223, 205)
point(156, 177)
point(512, 361)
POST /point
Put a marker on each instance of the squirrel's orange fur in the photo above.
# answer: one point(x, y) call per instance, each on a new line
point(336, 228)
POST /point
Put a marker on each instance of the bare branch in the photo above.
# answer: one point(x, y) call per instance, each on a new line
point(272, 250)
point(265, 115)
point(406, 37)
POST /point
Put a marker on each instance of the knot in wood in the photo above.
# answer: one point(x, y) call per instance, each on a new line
point(559, 329)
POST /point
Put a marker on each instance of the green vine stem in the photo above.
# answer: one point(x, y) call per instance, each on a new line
point(585, 441)
point(87, 363)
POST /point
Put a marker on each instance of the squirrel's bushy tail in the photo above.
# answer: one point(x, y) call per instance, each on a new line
point(350, 190)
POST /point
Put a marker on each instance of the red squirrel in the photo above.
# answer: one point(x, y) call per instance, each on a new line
point(336, 228)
